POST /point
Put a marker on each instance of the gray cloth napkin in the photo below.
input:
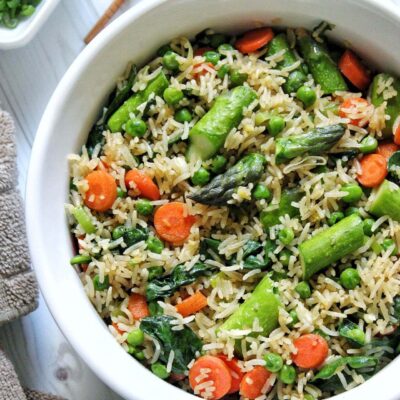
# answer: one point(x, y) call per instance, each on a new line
point(18, 288)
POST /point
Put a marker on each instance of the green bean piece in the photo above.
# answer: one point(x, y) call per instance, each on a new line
point(183, 115)
point(354, 193)
point(367, 226)
point(335, 217)
point(287, 374)
point(136, 127)
point(83, 219)
point(368, 145)
point(306, 95)
point(101, 286)
point(135, 337)
point(201, 177)
point(275, 125)
point(144, 207)
point(286, 236)
point(80, 259)
point(170, 61)
point(172, 96)
point(261, 192)
point(350, 278)
point(154, 245)
point(160, 370)
point(273, 362)
point(303, 289)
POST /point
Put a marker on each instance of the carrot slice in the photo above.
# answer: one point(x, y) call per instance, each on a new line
point(201, 50)
point(143, 183)
point(354, 106)
point(137, 305)
point(253, 40)
point(373, 170)
point(352, 68)
point(210, 369)
point(201, 69)
point(386, 149)
point(236, 372)
point(192, 304)
point(396, 131)
point(115, 325)
point(312, 351)
point(172, 222)
point(255, 383)
point(102, 191)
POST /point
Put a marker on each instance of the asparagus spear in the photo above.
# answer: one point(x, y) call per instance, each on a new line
point(263, 304)
point(209, 134)
point(221, 188)
point(120, 116)
point(393, 103)
point(313, 142)
point(324, 70)
point(386, 201)
point(330, 245)
point(271, 218)
point(296, 77)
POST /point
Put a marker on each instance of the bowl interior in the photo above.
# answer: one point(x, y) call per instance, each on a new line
point(135, 37)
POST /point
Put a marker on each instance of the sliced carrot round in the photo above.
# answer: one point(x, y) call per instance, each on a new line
point(137, 305)
point(386, 149)
point(235, 370)
point(253, 40)
point(173, 223)
point(255, 383)
point(373, 170)
point(143, 183)
point(102, 191)
point(353, 106)
point(352, 68)
point(210, 369)
point(312, 351)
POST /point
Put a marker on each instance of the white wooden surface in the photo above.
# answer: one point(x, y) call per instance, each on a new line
point(43, 358)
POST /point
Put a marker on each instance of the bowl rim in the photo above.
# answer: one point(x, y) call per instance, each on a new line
point(38, 155)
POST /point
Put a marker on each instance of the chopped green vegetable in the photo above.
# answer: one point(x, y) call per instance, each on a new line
point(170, 61)
point(306, 95)
point(135, 127)
point(80, 259)
point(386, 201)
point(368, 145)
point(218, 164)
point(237, 78)
point(394, 166)
point(183, 115)
point(303, 289)
point(160, 370)
point(212, 56)
point(275, 125)
point(367, 226)
point(101, 286)
point(201, 177)
point(135, 337)
point(154, 244)
point(352, 332)
point(354, 192)
point(135, 235)
point(83, 219)
point(287, 374)
point(273, 362)
point(172, 96)
point(261, 192)
point(286, 236)
point(144, 207)
point(155, 272)
point(335, 217)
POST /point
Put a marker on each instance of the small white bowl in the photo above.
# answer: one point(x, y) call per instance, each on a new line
point(371, 27)
point(27, 28)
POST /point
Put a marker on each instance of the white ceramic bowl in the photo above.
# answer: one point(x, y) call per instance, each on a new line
point(27, 28)
point(373, 29)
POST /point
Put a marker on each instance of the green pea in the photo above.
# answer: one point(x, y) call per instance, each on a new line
point(306, 95)
point(201, 177)
point(172, 96)
point(100, 286)
point(169, 61)
point(160, 370)
point(303, 289)
point(287, 374)
point(212, 56)
point(261, 118)
point(350, 278)
point(367, 226)
point(121, 193)
point(368, 145)
point(295, 318)
point(135, 337)
point(118, 232)
point(163, 50)
point(217, 39)
point(273, 362)
point(225, 47)
point(354, 193)
point(144, 207)
point(376, 248)
point(388, 243)
point(218, 164)
point(80, 259)
point(237, 78)
point(183, 115)
point(138, 354)
point(356, 334)
point(154, 245)
point(155, 272)
point(284, 257)
point(286, 235)
point(275, 125)
point(136, 127)
point(223, 70)
point(351, 211)
point(335, 217)
point(261, 192)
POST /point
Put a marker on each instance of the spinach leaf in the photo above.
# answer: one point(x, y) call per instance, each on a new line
point(209, 247)
point(251, 247)
point(135, 235)
point(394, 166)
point(352, 333)
point(184, 343)
point(396, 308)
point(253, 262)
point(166, 286)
